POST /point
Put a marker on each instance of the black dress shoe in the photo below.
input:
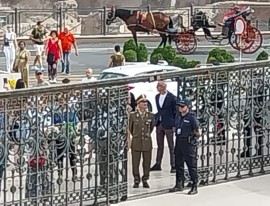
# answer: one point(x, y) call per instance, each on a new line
point(146, 185)
point(156, 167)
point(193, 190)
point(177, 188)
point(136, 185)
point(173, 170)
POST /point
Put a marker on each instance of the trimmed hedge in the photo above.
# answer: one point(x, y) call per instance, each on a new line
point(130, 55)
point(262, 56)
point(169, 55)
point(217, 55)
point(141, 52)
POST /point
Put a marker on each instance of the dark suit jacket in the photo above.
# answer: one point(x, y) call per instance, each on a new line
point(167, 112)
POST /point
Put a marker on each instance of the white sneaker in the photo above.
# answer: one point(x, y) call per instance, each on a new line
point(34, 68)
point(42, 69)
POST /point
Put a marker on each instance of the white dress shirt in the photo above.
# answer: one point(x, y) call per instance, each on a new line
point(162, 99)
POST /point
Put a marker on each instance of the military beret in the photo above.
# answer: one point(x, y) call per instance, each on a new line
point(141, 98)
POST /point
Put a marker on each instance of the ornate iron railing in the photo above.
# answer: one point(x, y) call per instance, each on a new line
point(78, 134)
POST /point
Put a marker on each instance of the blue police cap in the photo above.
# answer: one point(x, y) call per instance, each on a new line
point(183, 102)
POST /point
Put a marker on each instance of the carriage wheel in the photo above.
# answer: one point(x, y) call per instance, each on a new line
point(186, 43)
point(234, 41)
point(254, 35)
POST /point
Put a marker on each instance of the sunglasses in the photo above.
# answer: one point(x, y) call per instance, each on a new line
point(182, 106)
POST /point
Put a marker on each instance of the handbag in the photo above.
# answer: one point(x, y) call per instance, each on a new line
point(6, 41)
point(33, 162)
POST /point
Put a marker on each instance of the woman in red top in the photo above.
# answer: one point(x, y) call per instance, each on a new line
point(53, 51)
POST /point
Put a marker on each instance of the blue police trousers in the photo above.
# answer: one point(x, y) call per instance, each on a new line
point(185, 152)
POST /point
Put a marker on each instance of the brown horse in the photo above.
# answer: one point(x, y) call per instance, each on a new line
point(137, 21)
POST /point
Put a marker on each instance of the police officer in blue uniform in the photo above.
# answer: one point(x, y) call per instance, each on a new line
point(186, 131)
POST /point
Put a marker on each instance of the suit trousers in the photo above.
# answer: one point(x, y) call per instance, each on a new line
point(160, 134)
point(136, 159)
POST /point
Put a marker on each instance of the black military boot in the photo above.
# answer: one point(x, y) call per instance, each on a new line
point(178, 187)
point(193, 190)
point(136, 185)
point(145, 184)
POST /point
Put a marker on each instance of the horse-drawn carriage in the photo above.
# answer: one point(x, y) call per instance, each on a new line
point(249, 41)
point(185, 39)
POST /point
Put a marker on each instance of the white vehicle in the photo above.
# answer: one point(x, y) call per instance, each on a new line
point(147, 88)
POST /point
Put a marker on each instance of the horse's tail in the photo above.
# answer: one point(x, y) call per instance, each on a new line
point(171, 22)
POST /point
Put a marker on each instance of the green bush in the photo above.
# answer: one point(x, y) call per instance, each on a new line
point(211, 60)
point(130, 55)
point(262, 56)
point(192, 64)
point(157, 50)
point(180, 61)
point(155, 58)
point(169, 54)
point(129, 45)
point(142, 53)
point(220, 56)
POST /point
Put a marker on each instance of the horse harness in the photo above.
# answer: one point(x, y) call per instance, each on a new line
point(141, 16)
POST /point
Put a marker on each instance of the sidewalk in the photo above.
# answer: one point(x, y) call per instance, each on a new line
point(248, 192)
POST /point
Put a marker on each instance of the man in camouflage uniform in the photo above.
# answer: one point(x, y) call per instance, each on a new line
point(141, 124)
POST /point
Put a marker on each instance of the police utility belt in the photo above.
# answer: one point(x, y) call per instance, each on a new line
point(190, 139)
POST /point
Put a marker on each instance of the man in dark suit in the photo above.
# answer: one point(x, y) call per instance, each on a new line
point(166, 106)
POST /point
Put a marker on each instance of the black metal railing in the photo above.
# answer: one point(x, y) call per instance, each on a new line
point(67, 145)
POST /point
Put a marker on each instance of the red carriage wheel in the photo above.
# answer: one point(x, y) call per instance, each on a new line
point(253, 35)
point(234, 41)
point(185, 42)
point(251, 40)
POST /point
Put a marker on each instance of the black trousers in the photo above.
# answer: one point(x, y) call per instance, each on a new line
point(61, 153)
point(185, 152)
point(258, 130)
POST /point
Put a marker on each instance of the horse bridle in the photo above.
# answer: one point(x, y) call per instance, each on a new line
point(113, 10)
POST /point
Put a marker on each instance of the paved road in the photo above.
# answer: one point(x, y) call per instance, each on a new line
point(97, 55)
point(248, 192)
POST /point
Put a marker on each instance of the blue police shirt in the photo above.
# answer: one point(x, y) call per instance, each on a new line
point(185, 125)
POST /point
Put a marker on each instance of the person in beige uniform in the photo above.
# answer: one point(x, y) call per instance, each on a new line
point(141, 124)
point(21, 62)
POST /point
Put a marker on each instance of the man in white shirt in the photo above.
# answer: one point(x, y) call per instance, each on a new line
point(89, 77)
point(166, 106)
